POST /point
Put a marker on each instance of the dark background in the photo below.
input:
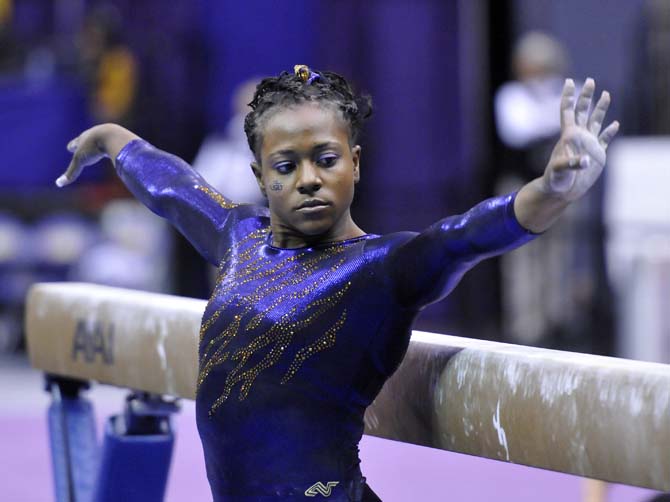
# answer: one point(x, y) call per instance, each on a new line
point(431, 67)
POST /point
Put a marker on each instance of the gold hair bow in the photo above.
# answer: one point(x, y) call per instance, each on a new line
point(302, 71)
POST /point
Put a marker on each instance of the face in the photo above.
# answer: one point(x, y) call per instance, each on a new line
point(308, 171)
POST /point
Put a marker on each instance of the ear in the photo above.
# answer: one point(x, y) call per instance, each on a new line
point(356, 158)
point(258, 173)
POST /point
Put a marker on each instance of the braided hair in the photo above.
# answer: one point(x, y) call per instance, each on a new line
point(305, 86)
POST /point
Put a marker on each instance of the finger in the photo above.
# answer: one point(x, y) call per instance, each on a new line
point(591, 147)
point(71, 173)
point(599, 112)
point(72, 145)
point(568, 103)
point(584, 143)
point(608, 134)
point(567, 162)
point(584, 102)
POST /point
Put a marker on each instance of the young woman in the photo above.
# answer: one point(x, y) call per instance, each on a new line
point(310, 315)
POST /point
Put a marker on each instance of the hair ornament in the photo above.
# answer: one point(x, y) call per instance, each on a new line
point(305, 74)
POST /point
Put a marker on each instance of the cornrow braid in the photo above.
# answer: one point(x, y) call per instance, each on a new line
point(290, 89)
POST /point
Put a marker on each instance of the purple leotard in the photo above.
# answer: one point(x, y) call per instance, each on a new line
point(296, 343)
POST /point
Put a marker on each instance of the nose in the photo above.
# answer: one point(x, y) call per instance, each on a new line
point(309, 180)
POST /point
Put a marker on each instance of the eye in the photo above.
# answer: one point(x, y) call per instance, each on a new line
point(328, 160)
point(284, 167)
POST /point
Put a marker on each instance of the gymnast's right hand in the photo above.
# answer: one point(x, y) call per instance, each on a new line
point(105, 140)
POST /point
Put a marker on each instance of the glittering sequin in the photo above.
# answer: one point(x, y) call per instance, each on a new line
point(220, 199)
point(294, 278)
point(326, 341)
point(280, 335)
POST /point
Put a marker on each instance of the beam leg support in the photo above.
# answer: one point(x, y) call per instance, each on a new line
point(137, 450)
point(74, 448)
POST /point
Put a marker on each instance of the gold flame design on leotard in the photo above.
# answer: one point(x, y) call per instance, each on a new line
point(220, 199)
point(294, 274)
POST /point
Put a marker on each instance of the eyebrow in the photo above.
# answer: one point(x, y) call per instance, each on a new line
point(288, 151)
point(326, 144)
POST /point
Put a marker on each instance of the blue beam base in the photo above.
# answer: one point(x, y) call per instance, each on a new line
point(74, 447)
point(136, 454)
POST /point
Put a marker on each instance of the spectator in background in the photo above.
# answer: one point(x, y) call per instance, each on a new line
point(573, 315)
point(108, 66)
point(224, 160)
point(523, 108)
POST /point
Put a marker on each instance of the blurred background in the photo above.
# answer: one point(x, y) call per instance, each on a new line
point(465, 92)
point(465, 95)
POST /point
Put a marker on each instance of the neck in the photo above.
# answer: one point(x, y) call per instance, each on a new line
point(290, 238)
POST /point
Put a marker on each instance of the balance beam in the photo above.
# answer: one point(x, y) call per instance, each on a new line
point(599, 417)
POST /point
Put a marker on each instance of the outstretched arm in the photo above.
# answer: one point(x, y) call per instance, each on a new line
point(576, 161)
point(427, 266)
point(164, 183)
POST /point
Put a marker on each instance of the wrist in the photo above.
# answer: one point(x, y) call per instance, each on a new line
point(537, 206)
point(111, 138)
point(546, 188)
point(99, 136)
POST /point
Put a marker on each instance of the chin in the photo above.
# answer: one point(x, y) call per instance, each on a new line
point(314, 227)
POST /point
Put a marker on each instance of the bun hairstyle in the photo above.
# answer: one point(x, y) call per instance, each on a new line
point(305, 86)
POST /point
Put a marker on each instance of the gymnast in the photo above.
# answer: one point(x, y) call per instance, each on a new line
point(310, 314)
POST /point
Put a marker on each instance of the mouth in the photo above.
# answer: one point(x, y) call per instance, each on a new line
point(312, 205)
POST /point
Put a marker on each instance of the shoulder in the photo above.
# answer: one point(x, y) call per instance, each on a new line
point(245, 224)
point(384, 245)
point(245, 211)
point(245, 218)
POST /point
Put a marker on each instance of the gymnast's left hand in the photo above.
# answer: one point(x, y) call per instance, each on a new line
point(579, 156)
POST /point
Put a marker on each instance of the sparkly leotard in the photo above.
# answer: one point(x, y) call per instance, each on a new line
point(296, 343)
